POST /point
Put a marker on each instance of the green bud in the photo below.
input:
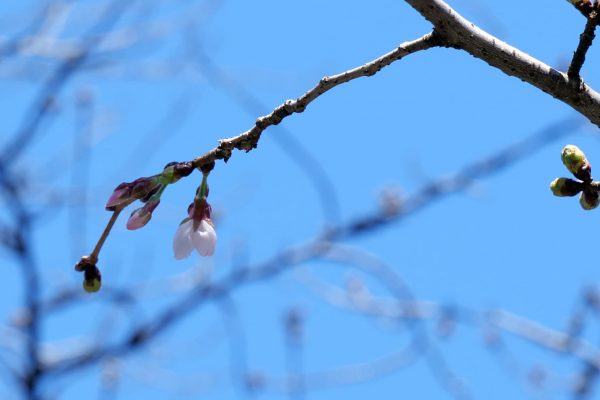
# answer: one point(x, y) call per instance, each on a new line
point(168, 174)
point(562, 187)
point(576, 162)
point(589, 200)
point(92, 285)
point(174, 171)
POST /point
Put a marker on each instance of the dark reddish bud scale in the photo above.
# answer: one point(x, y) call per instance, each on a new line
point(174, 171)
point(589, 199)
point(183, 169)
point(92, 278)
point(85, 263)
point(92, 281)
point(92, 273)
point(206, 168)
point(200, 211)
point(207, 211)
point(584, 173)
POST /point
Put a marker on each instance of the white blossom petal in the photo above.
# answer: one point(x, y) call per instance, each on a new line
point(204, 239)
point(182, 243)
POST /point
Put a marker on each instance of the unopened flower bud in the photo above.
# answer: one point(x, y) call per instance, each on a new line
point(119, 196)
point(92, 286)
point(565, 187)
point(576, 162)
point(92, 280)
point(589, 200)
point(127, 192)
point(141, 216)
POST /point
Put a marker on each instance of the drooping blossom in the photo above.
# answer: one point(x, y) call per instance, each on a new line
point(197, 231)
point(201, 237)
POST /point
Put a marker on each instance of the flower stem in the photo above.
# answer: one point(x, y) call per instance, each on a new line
point(200, 201)
point(203, 188)
point(111, 222)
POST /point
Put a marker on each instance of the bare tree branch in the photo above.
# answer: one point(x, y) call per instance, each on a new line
point(456, 31)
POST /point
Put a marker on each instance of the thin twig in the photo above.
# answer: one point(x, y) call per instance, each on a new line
point(292, 147)
point(249, 139)
point(585, 42)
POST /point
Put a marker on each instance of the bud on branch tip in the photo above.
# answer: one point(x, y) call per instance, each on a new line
point(577, 163)
point(562, 187)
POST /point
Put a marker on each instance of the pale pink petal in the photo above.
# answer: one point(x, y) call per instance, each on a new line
point(182, 245)
point(118, 196)
point(138, 219)
point(204, 239)
point(141, 216)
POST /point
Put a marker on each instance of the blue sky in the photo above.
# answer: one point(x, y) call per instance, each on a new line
point(506, 242)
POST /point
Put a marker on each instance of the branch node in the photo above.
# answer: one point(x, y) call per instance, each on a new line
point(290, 106)
point(280, 113)
point(262, 123)
point(224, 151)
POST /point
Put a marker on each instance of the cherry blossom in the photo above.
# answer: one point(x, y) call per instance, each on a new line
point(201, 237)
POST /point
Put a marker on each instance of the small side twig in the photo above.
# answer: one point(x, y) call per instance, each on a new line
point(585, 42)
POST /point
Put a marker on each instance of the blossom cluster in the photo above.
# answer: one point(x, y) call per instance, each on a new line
point(196, 231)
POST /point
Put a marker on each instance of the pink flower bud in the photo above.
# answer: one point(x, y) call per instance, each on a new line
point(119, 196)
point(127, 192)
point(141, 216)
